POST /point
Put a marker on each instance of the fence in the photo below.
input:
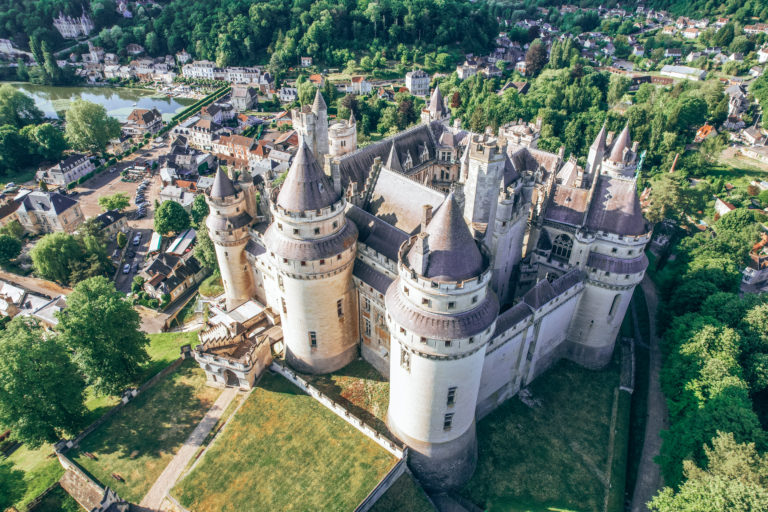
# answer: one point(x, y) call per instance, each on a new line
point(374, 435)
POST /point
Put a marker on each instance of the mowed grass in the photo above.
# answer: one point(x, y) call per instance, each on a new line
point(360, 389)
point(141, 439)
point(553, 456)
point(164, 348)
point(404, 495)
point(58, 500)
point(284, 451)
point(41, 470)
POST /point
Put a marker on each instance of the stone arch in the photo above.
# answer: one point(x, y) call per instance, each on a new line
point(231, 379)
point(562, 247)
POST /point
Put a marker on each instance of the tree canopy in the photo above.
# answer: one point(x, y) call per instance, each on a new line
point(41, 390)
point(171, 217)
point(118, 201)
point(89, 128)
point(16, 108)
point(66, 258)
point(10, 248)
point(102, 329)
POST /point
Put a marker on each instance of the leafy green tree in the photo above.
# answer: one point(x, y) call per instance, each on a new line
point(619, 85)
point(171, 217)
point(13, 228)
point(121, 239)
point(89, 128)
point(735, 479)
point(535, 58)
point(199, 211)
point(102, 329)
point(14, 149)
point(53, 254)
point(47, 141)
point(205, 252)
point(10, 248)
point(41, 391)
point(16, 108)
point(118, 201)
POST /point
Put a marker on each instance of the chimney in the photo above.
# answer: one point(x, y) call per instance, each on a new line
point(561, 152)
point(419, 254)
point(426, 216)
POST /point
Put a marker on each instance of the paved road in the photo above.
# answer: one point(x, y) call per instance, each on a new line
point(649, 479)
point(178, 464)
point(123, 281)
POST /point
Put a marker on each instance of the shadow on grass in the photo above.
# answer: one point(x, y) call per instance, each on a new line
point(13, 482)
point(151, 421)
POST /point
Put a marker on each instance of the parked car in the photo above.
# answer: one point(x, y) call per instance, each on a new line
point(137, 239)
point(126, 268)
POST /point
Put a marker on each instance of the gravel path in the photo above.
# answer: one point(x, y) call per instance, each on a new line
point(649, 479)
point(175, 468)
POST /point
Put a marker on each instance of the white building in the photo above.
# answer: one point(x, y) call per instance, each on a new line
point(69, 170)
point(72, 28)
point(417, 82)
point(199, 69)
point(684, 72)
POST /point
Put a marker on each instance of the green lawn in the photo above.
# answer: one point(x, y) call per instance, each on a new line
point(360, 389)
point(141, 439)
point(553, 456)
point(58, 500)
point(212, 286)
point(405, 495)
point(164, 348)
point(41, 469)
point(284, 451)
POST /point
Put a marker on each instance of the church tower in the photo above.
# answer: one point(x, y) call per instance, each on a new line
point(227, 224)
point(313, 246)
point(441, 314)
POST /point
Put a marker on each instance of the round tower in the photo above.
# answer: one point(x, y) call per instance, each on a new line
point(342, 137)
point(313, 248)
point(227, 225)
point(441, 314)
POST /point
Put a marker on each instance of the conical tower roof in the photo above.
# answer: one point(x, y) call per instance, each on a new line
point(222, 186)
point(306, 186)
point(453, 253)
point(393, 162)
point(600, 139)
point(351, 119)
point(623, 141)
point(436, 105)
point(319, 103)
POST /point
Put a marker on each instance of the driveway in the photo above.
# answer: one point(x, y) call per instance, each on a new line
point(649, 479)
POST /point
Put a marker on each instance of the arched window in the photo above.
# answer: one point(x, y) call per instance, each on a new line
point(614, 305)
point(561, 247)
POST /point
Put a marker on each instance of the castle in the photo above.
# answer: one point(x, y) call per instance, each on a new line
point(73, 27)
point(460, 265)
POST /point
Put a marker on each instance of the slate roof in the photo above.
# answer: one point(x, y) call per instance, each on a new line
point(453, 252)
point(370, 276)
point(402, 210)
point(45, 201)
point(622, 142)
point(617, 265)
point(310, 250)
point(306, 187)
point(319, 103)
point(222, 186)
point(440, 326)
point(616, 209)
point(511, 317)
point(377, 234)
point(567, 205)
point(70, 161)
point(109, 217)
point(539, 294)
point(436, 105)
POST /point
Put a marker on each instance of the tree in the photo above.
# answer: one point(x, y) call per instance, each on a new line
point(122, 239)
point(118, 201)
point(735, 479)
point(41, 391)
point(16, 108)
point(171, 217)
point(205, 252)
point(48, 141)
point(102, 329)
point(617, 88)
point(14, 149)
point(89, 128)
point(535, 58)
point(13, 228)
point(53, 255)
point(10, 248)
point(199, 211)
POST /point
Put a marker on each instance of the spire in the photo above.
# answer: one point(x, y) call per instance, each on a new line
point(393, 162)
point(623, 141)
point(436, 105)
point(222, 185)
point(306, 186)
point(351, 121)
point(599, 143)
point(452, 252)
point(319, 103)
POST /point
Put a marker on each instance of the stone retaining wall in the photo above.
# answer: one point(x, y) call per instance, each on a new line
point(383, 485)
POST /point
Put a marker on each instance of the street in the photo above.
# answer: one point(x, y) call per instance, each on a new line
point(133, 254)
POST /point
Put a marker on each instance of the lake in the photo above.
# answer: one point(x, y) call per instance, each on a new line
point(118, 101)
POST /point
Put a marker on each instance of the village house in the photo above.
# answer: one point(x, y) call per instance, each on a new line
point(359, 85)
point(417, 82)
point(49, 212)
point(202, 133)
point(141, 121)
point(172, 275)
point(112, 221)
point(69, 170)
point(244, 97)
point(198, 69)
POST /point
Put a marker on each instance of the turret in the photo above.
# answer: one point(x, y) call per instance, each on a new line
point(436, 110)
point(312, 246)
point(311, 123)
point(485, 170)
point(441, 314)
point(622, 160)
point(596, 152)
point(342, 137)
point(227, 224)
